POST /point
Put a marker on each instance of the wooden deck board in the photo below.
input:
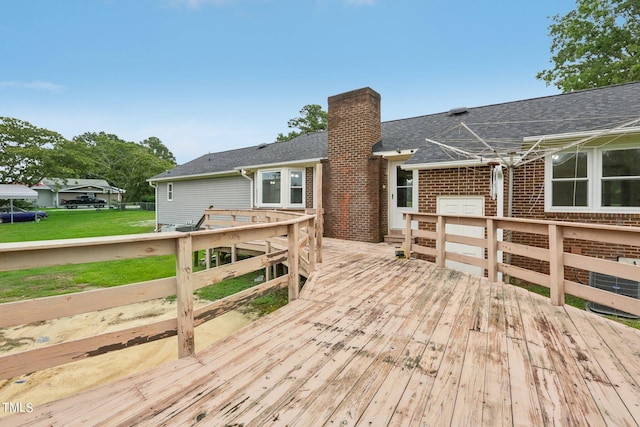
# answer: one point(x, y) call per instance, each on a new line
point(378, 341)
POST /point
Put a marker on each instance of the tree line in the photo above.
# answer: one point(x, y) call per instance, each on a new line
point(29, 154)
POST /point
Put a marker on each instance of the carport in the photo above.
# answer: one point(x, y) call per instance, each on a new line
point(16, 191)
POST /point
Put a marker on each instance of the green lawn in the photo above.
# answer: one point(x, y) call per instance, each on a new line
point(66, 223)
point(70, 223)
point(575, 302)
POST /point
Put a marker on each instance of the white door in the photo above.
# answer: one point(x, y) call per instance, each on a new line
point(404, 193)
point(461, 205)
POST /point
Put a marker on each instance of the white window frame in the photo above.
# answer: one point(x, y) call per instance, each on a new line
point(285, 188)
point(594, 182)
point(170, 190)
point(259, 187)
point(303, 186)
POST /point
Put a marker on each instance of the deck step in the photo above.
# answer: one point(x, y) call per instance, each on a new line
point(395, 238)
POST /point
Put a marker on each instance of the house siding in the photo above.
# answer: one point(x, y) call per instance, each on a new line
point(463, 181)
point(528, 202)
point(309, 189)
point(45, 199)
point(192, 197)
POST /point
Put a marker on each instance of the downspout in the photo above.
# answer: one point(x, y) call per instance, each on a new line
point(509, 212)
point(155, 202)
point(243, 172)
point(510, 195)
point(498, 193)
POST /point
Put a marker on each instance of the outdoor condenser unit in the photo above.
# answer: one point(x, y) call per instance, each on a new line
point(618, 285)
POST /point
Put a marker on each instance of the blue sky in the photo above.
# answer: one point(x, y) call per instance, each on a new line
point(211, 75)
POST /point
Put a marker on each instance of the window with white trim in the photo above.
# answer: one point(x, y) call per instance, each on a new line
point(281, 188)
point(170, 191)
point(603, 179)
point(271, 188)
point(296, 188)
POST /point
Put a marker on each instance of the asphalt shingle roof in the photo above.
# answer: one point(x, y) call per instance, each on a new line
point(502, 125)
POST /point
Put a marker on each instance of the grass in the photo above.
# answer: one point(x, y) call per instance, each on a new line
point(262, 305)
point(72, 223)
point(63, 223)
point(574, 302)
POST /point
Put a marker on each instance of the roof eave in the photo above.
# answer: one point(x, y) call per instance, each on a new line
point(583, 134)
point(195, 176)
point(395, 153)
point(445, 165)
point(301, 162)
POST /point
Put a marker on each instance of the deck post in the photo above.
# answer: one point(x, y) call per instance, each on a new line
point(311, 232)
point(492, 250)
point(556, 264)
point(407, 233)
point(319, 212)
point(267, 272)
point(207, 258)
point(440, 241)
point(292, 258)
point(184, 292)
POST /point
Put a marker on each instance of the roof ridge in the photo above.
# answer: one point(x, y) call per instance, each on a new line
point(522, 100)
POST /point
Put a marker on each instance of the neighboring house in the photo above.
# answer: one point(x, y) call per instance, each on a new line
point(51, 192)
point(573, 156)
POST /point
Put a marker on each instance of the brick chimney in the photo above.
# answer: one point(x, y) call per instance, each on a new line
point(354, 177)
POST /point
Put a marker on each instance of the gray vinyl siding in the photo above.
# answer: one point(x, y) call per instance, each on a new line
point(192, 197)
point(45, 199)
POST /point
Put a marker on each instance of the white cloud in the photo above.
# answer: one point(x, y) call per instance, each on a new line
point(34, 85)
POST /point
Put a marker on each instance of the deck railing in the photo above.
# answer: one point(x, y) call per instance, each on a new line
point(433, 244)
point(297, 231)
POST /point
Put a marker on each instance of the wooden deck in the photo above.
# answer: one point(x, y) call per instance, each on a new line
point(376, 341)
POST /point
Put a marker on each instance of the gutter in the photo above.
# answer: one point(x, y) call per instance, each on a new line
point(300, 163)
point(584, 134)
point(446, 165)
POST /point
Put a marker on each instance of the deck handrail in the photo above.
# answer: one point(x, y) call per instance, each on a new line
point(433, 244)
point(300, 250)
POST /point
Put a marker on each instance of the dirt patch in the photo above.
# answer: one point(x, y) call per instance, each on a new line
point(55, 383)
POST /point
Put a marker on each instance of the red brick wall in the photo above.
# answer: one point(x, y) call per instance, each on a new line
point(352, 185)
point(308, 187)
point(528, 202)
point(463, 181)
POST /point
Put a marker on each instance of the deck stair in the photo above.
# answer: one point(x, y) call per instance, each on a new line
point(395, 237)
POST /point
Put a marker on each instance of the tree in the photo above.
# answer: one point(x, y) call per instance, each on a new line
point(597, 44)
point(123, 164)
point(313, 119)
point(158, 149)
point(26, 151)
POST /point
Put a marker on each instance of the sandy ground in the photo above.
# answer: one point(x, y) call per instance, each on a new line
point(55, 383)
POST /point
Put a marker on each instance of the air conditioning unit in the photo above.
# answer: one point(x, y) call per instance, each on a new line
point(617, 285)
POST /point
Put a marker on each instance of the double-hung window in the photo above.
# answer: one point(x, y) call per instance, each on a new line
point(281, 188)
point(600, 179)
point(170, 191)
point(620, 180)
point(296, 188)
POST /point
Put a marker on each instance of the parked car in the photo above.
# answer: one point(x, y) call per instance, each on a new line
point(20, 215)
point(97, 202)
